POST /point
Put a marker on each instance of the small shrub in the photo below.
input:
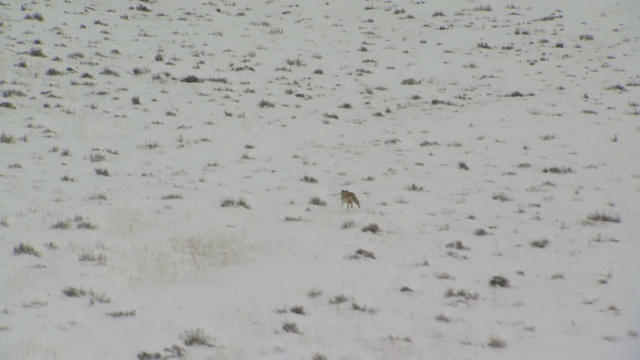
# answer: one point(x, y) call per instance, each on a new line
point(219, 80)
point(410, 81)
point(586, 37)
point(519, 94)
point(275, 31)
point(541, 243)
point(482, 8)
point(85, 225)
point(34, 16)
point(309, 179)
point(317, 201)
point(338, 299)
point(149, 356)
point(414, 187)
point(76, 55)
point(140, 71)
point(314, 293)
point(617, 87)
point(480, 232)
point(102, 172)
point(150, 145)
point(81, 223)
point(496, 342)
point(118, 314)
point(484, 45)
point(98, 298)
point(457, 245)
point(37, 52)
point(499, 281)
point(550, 17)
point(291, 327)
point(71, 291)
point(266, 104)
point(91, 257)
point(7, 138)
point(558, 170)
point(143, 8)
point(7, 105)
point(97, 157)
point(135, 100)
point(438, 13)
point(62, 225)
point(110, 72)
point(296, 62)
point(363, 308)
point(227, 202)
point(463, 166)
point(53, 72)
point(442, 318)
point(603, 217)
point(365, 254)
point(172, 197)
point(196, 337)
point(461, 294)
point(501, 197)
point(192, 79)
point(242, 202)
point(13, 92)
point(373, 228)
point(348, 224)
point(298, 310)
point(26, 249)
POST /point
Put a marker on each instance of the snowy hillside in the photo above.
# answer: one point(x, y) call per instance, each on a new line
point(170, 177)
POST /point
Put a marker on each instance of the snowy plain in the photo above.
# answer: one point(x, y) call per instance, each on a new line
point(170, 176)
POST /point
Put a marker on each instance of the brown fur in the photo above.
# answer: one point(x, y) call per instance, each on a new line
point(348, 198)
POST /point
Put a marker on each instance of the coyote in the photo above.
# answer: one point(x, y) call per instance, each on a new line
point(349, 198)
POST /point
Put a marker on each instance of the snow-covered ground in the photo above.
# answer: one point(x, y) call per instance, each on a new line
point(488, 143)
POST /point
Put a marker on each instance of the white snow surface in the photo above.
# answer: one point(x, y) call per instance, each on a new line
point(473, 134)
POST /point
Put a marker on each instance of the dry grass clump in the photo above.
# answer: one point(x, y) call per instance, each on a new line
point(37, 52)
point(26, 249)
point(192, 79)
point(309, 179)
point(229, 202)
point(373, 228)
point(196, 337)
point(496, 342)
point(604, 217)
point(557, 170)
point(500, 281)
point(461, 294)
point(317, 201)
point(541, 243)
